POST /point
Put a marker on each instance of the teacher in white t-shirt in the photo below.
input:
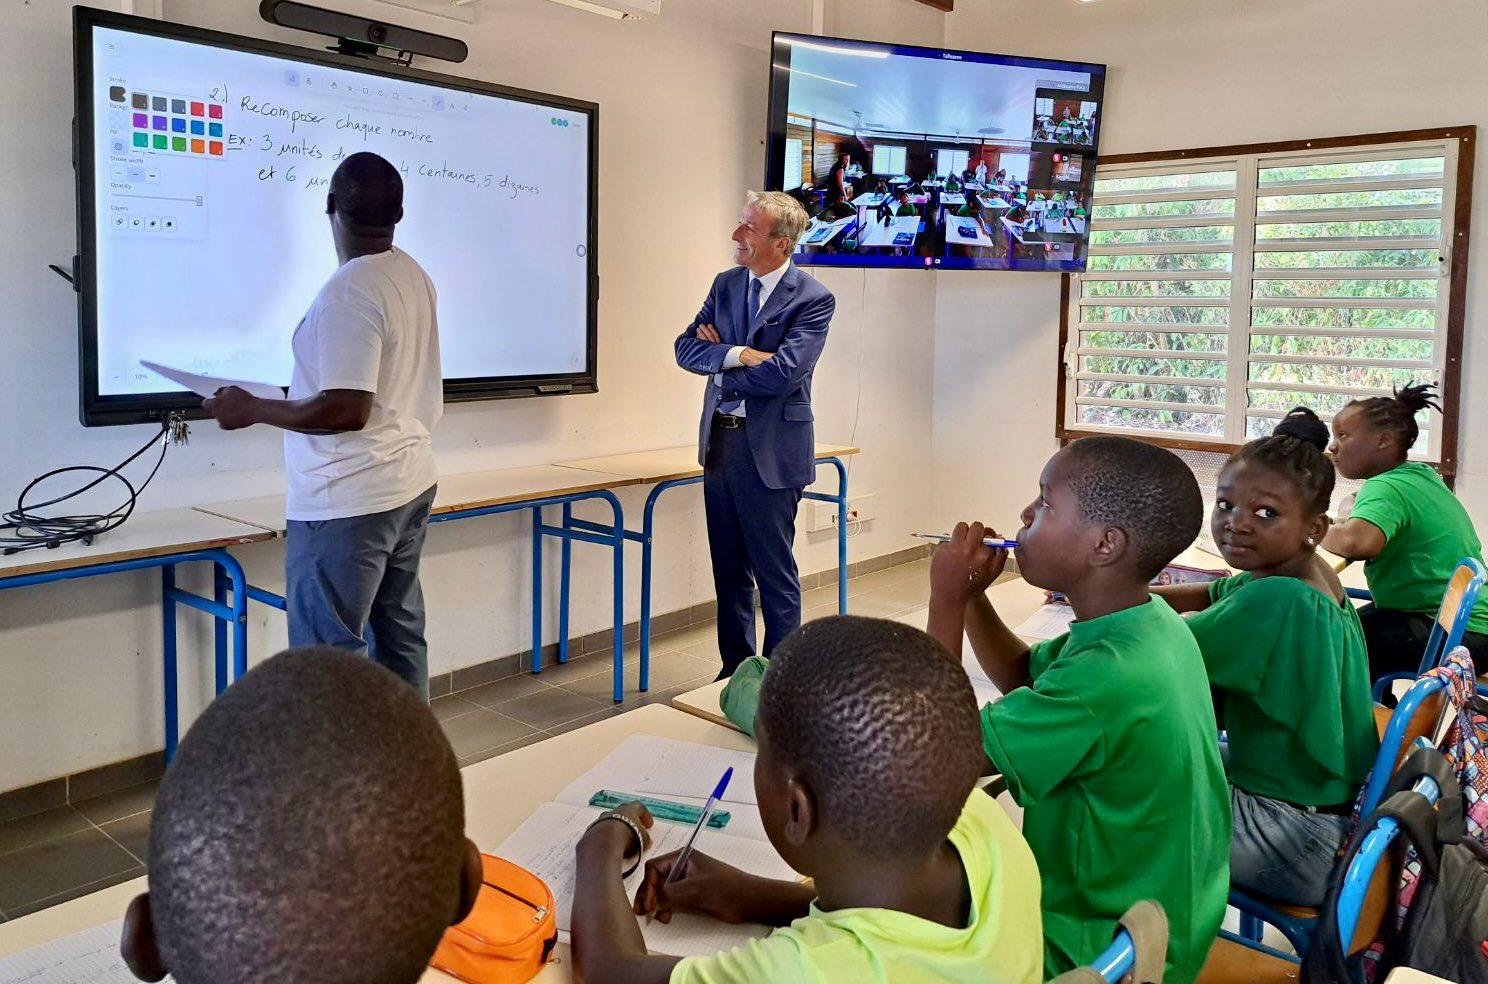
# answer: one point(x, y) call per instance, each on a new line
point(366, 394)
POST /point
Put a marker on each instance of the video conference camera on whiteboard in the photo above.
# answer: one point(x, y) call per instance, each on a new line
point(361, 36)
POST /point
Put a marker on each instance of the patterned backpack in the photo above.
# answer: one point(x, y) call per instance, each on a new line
point(1465, 747)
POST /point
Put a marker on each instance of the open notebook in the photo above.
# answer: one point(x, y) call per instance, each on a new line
point(660, 768)
point(90, 956)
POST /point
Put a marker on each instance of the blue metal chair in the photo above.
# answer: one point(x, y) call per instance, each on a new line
point(1117, 960)
point(1120, 961)
point(1451, 622)
point(1414, 716)
point(1361, 870)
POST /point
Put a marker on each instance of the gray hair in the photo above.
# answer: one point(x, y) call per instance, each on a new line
point(787, 217)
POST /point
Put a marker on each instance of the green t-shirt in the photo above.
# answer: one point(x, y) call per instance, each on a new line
point(1295, 670)
point(1113, 755)
point(965, 210)
point(1001, 945)
point(907, 209)
point(1426, 533)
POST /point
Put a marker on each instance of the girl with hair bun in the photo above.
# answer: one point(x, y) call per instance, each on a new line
point(1284, 648)
point(1407, 525)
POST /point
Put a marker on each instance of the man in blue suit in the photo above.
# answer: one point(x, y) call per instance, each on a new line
point(758, 336)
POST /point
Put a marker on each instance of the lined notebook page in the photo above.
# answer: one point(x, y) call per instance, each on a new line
point(87, 957)
point(545, 842)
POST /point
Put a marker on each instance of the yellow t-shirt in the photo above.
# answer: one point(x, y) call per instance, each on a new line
point(1002, 945)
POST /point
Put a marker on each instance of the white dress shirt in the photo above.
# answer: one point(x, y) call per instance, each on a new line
point(768, 283)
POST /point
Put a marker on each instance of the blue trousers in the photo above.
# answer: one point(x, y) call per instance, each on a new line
point(751, 537)
point(353, 583)
point(1281, 852)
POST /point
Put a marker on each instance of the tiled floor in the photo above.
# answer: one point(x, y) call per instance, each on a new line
point(51, 857)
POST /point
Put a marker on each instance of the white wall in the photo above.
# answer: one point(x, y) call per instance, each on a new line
point(1195, 73)
point(681, 95)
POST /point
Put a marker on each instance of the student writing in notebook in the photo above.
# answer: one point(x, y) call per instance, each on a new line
point(868, 755)
point(1409, 527)
point(1284, 648)
point(310, 828)
point(1106, 734)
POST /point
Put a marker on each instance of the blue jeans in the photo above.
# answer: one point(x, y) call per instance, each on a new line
point(353, 583)
point(1281, 852)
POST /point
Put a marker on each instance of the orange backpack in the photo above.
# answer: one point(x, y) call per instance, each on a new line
point(509, 933)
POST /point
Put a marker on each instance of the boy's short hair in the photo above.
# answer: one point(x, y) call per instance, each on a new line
point(1141, 488)
point(310, 828)
point(883, 725)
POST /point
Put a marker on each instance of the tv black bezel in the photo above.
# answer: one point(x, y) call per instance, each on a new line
point(101, 410)
point(775, 135)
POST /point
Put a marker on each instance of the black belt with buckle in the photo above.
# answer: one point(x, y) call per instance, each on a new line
point(727, 420)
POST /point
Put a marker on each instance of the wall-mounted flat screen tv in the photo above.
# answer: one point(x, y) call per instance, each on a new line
point(925, 157)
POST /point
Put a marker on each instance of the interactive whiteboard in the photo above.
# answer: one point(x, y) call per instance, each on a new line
point(204, 162)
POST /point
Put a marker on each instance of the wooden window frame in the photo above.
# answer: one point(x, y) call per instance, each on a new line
point(1466, 136)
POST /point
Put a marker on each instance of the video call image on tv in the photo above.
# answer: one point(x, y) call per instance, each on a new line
point(906, 156)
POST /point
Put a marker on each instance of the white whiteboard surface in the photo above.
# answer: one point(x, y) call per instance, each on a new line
point(211, 168)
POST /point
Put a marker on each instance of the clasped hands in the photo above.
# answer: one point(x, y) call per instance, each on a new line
point(747, 357)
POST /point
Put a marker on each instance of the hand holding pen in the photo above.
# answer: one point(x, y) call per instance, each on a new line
point(966, 563)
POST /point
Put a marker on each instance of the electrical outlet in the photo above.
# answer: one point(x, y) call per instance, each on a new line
point(861, 508)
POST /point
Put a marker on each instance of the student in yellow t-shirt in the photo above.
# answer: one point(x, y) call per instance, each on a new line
point(1409, 527)
point(868, 754)
point(1284, 648)
point(1106, 735)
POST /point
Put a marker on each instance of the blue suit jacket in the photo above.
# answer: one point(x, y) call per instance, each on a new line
point(777, 393)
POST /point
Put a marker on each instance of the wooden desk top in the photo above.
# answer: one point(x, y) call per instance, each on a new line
point(500, 793)
point(669, 464)
point(145, 534)
point(468, 490)
point(1015, 600)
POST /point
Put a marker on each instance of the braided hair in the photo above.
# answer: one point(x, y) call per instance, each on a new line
point(1397, 413)
point(1295, 450)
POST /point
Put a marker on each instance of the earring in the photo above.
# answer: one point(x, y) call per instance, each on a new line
point(1311, 542)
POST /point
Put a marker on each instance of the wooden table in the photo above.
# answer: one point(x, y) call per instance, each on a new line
point(471, 494)
point(670, 468)
point(500, 793)
point(163, 540)
point(1015, 600)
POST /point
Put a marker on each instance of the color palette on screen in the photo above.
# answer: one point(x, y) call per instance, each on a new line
point(171, 123)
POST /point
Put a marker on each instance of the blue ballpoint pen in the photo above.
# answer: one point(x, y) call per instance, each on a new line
point(990, 541)
point(686, 851)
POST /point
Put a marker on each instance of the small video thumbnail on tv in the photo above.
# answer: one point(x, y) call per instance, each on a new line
point(894, 172)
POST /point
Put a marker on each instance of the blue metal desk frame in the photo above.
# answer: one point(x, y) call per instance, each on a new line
point(612, 536)
point(228, 580)
point(646, 539)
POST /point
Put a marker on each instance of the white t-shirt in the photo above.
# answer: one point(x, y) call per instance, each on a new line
point(371, 328)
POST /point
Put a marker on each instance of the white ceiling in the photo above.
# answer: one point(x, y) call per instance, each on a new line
point(918, 95)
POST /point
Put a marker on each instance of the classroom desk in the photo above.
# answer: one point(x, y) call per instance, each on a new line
point(953, 198)
point(953, 231)
point(472, 494)
point(869, 199)
point(500, 793)
point(882, 234)
point(1015, 600)
point(164, 539)
point(669, 468)
point(819, 234)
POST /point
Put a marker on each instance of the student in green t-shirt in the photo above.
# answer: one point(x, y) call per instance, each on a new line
point(868, 756)
point(1106, 735)
point(1284, 647)
point(1409, 527)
